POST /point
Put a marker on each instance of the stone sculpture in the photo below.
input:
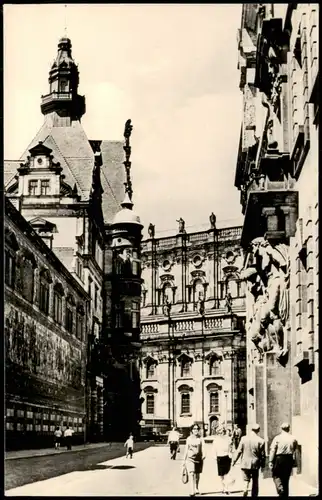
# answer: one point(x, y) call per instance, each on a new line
point(268, 282)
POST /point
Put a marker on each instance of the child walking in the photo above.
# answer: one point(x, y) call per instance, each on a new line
point(129, 443)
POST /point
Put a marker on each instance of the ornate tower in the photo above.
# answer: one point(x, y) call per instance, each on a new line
point(124, 413)
point(63, 105)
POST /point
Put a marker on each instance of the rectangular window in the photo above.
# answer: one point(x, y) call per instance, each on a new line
point(32, 188)
point(45, 416)
point(44, 297)
point(29, 414)
point(45, 428)
point(58, 308)
point(95, 296)
point(135, 315)
point(28, 280)
point(79, 326)
point(19, 426)
point(80, 429)
point(20, 413)
point(186, 369)
point(79, 268)
point(52, 416)
point(119, 315)
point(214, 402)
point(10, 412)
point(44, 187)
point(9, 269)
point(9, 426)
point(29, 427)
point(150, 403)
point(69, 318)
point(150, 370)
point(185, 403)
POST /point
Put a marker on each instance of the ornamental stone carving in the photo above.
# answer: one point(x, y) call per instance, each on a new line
point(268, 283)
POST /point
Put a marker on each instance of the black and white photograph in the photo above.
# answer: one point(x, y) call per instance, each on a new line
point(161, 249)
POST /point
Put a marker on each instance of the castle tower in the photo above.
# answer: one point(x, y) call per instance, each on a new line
point(63, 105)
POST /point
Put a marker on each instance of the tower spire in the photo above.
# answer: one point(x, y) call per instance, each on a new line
point(62, 104)
point(127, 148)
point(65, 20)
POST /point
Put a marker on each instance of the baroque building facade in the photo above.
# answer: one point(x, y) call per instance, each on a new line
point(70, 189)
point(193, 356)
point(277, 175)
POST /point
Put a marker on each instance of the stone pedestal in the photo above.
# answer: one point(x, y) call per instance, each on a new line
point(272, 399)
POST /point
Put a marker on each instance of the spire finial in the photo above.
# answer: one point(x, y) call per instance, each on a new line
point(65, 20)
point(127, 148)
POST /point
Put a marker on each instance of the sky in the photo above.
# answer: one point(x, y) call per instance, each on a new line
point(171, 68)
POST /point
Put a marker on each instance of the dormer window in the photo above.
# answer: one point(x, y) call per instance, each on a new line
point(45, 187)
point(32, 188)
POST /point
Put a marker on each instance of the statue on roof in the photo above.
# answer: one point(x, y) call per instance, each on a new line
point(212, 219)
point(151, 230)
point(181, 225)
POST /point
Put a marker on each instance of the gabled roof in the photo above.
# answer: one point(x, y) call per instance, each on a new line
point(72, 149)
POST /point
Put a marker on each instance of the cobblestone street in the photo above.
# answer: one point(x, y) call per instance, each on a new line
point(125, 477)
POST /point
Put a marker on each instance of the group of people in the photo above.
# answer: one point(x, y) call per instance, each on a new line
point(58, 434)
point(250, 449)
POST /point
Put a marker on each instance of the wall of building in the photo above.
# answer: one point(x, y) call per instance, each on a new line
point(282, 112)
point(45, 363)
point(213, 262)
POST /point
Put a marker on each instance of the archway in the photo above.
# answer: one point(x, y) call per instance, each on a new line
point(213, 424)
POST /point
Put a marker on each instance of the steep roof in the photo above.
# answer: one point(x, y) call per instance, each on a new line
point(9, 170)
point(72, 149)
point(112, 178)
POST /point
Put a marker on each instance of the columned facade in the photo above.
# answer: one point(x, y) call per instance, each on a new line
point(193, 357)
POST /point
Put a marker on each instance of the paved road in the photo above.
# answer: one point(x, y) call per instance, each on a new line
point(150, 472)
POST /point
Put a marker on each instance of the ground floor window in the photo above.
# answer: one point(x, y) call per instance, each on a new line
point(150, 403)
point(185, 403)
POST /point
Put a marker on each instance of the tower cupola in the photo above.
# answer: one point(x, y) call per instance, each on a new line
point(63, 104)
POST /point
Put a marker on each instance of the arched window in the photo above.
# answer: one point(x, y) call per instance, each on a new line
point(150, 404)
point(214, 401)
point(58, 303)
point(44, 281)
point(185, 403)
point(11, 247)
point(80, 313)
point(69, 323)
point(27, 265)
point(215, 366)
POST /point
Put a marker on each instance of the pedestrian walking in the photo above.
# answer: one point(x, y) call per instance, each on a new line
point(282, 459)
point(129, 444)
point(173, 441)
point(68, 437)
point(57, 437)
point(251, 449)
point(222, 452)
point(236, 437)
point(193, 458)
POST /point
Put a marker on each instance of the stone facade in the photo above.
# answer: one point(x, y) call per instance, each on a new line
point(193, 358)
point(277, 175)
point(45, 357)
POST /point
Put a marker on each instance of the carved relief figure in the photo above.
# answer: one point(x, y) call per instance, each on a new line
point(271, 293)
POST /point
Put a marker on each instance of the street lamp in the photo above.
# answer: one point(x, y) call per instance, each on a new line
point(202, 313)
point(168, 307)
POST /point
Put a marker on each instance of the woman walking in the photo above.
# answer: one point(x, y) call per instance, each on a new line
point(193, 458)
point(222, 451)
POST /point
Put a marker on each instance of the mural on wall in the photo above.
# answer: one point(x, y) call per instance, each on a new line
point(40, 351)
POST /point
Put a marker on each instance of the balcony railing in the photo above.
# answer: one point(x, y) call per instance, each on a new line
point(56, 96)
